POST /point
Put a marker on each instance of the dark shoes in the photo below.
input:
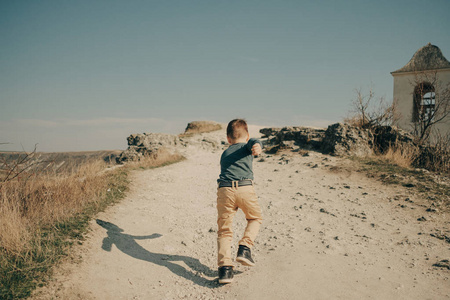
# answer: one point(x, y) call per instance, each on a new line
point(225, 274)
point(244, 256)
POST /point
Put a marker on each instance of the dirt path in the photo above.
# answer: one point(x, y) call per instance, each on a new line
point(327, 234)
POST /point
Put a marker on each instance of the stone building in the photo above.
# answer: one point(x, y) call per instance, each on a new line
point(420, 88)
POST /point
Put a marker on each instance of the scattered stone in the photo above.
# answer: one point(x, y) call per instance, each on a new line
point(443, 264)
point(421, 219)
point(441, 237)
point(361, 215)
point(322, 210)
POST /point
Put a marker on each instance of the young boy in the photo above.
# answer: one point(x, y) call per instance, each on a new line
point(236, 191)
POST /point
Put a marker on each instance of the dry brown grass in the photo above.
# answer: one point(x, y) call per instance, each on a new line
point(436, 156)
point(36, 200)
point(42, 212)
point(355, 121)
point(45, 199)
point(157, 159)
point(401, 155)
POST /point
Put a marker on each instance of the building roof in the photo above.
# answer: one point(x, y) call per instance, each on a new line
point(428, 57)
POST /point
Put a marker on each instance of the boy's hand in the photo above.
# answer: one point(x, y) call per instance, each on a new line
point(256, 149)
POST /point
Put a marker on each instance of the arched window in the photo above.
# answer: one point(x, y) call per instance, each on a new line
point(424, 102)
point(428, 105)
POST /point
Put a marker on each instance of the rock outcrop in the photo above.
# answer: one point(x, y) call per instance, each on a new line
point(385, 136)
point(293, 138)
point(343, 139)
point(195, 136)
point(140, 145)
point(338, 139)
point(202, 126)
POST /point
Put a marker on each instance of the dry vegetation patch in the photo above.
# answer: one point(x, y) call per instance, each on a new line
point(43, 213)
point(159, 158)
point(393, 168)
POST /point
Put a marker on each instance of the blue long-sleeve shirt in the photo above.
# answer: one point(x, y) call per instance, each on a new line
point(236, 162)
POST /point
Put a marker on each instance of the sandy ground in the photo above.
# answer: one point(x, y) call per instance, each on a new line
point(328, 233)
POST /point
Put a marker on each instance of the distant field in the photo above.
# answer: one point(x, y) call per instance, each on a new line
point(62, 161)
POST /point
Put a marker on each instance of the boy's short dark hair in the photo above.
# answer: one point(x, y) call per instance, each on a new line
point(237, 128)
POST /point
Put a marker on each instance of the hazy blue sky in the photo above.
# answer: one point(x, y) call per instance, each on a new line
point(83, 75)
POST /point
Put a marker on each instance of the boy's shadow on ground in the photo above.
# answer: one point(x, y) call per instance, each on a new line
point(127, 244)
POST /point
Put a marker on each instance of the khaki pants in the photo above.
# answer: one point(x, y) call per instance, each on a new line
point(229, 199)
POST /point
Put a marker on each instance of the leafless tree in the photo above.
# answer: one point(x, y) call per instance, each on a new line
point(431, 103)
point(369, 111)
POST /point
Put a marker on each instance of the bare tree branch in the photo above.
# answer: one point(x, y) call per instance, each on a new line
point(369, 112)
point(437, 108)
